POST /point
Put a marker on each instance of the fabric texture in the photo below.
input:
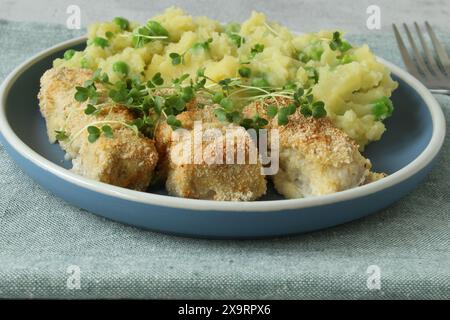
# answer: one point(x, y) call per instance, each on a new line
point(41, 236)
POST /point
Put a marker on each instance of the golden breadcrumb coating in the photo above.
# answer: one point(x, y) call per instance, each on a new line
point(206, 178)
point(126, 160)
point(374, 176)
point(316, 158)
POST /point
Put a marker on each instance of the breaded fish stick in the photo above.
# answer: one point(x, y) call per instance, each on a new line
point(316, 158)
point(205, 177)
point(125, 159)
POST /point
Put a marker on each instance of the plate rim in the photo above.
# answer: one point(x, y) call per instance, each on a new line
point(419, 163)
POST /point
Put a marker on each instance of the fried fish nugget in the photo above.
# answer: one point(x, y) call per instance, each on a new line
point(209, 175)
point(315, 157)
point(127, 159)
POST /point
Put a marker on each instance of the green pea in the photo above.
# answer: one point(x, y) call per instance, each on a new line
point(260, 83)
point(100, 42)
point(245, 72)
point(69, 54)
point(123, 23)
point(120, 67)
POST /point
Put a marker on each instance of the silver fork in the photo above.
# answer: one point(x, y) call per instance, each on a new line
point(432, 69)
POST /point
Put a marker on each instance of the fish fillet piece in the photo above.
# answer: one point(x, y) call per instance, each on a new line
point(315, 157)
point(208, 175)
point(126, 160)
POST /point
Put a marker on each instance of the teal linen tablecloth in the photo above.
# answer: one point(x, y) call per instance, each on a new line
point(42, 237)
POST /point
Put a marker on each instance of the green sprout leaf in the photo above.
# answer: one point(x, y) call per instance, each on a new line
point(201, 45)
point(94, 133)
point(226, 104)
point(312, 74)
point(260, 122)
point(201, 72)
point(90, 109)
point(318, 109)
point(173, 122)
point(338, 44)
point(176, 58)
point(283, 114)
point(187, 94)
point(258, 48)
point(291, 108)
point(236, 39)
point(272, 111)
point(151, 31)
point(305, 110)
point(217, 97)
point(107, 131)
point(176, 102)
point(157, 79)
point(82, 94)
point(220, 114)
point(61, 135)
point(156, 29)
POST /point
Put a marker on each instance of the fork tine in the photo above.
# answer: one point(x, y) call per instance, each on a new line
point(412, 68)
point(440, 51)
point(417, 56)
point(430, 58)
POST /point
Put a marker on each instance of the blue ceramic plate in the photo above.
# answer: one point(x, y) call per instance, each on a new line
point(414, 135)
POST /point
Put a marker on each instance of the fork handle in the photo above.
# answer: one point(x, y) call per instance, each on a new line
point(441, 91)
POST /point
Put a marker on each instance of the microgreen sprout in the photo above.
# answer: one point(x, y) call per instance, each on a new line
point(61, 135)
point(173, 122)
point(107, 131)
point(257, 48)
point(94, 132)
point(156, 80)
point(176, 58)
point(271, 29)
point(312, 73)
point(151, 31)
point(232, 31)
point(90, 109)
point(150, 105)
point(337, 43)
point(202, 45)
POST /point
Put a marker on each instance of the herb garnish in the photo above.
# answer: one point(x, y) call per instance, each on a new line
point(151, 31)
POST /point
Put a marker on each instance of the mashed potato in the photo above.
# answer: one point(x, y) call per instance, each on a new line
point(350, 83)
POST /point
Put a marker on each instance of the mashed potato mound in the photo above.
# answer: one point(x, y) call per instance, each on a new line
point(349, 84)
